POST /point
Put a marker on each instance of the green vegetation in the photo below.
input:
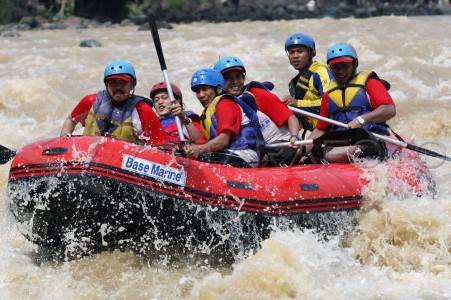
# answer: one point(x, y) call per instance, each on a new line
point(117, 10)
point(12, 10)
point(142, 6)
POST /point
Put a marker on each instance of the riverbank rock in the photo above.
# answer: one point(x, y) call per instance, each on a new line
point(90, 43)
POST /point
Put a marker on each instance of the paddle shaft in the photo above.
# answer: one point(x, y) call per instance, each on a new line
point(382, 137)
point(159, 49)
point(333, 122)
point(287, 144)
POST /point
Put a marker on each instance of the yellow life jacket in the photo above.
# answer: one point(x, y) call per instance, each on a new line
point(348, 101)
point(249, 137)
point(109, 120)
point(303, 88)
point(352, 88)
point(207, 117)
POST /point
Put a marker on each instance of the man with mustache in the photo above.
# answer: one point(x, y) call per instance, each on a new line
point(117, 111)
point(306, 88)
point(168, 111)
point(359, 99)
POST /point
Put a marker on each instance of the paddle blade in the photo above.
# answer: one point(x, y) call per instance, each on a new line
point(156, 41)
point(427, 152)
point(6, 154)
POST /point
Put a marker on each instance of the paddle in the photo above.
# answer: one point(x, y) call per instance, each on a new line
point(6, 154)
point(159, 49)
point(381, 137)
point(331, 139)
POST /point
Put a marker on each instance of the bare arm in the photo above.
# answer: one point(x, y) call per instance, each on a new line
point(217, 144)
point(68, 126)
point(379, 115)
point(293, 125)
point(316, 133)
point(193, 133)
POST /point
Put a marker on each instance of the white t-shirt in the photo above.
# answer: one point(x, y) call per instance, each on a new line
point(270, 131)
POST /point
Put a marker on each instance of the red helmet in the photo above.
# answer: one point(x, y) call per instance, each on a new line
point(162, 86)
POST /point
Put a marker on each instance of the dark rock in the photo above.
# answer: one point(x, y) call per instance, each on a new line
point(373, 11)
point(23, 27)
point(160, 25)
point(30, 21)
point(144, 27)
point(90, 43)
point(361, 12)
point(280, 12)
point(138, 20)
point(40, 19)
point(164, 24)
point(54, 26)
point(127, 22)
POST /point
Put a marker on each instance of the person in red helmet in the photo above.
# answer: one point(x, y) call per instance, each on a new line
point(168, 111)
point(117, 111)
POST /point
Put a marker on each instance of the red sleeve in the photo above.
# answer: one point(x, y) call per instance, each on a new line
point(229, 117)
point(150, 124)
point(377, 93)
point(323, 112)
point(269, 104)
point(202, 139)
point(80, 112)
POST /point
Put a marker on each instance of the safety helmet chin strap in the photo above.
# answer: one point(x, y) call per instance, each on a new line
point(311, 54)
point(355, 64)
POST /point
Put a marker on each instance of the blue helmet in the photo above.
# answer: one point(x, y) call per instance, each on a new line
point(206, 76)
point(119, 67)
point(341, 50)
point(229, 62)
point(300, 39)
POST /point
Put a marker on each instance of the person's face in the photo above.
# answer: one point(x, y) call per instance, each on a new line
point(234, 82)
point(162, 103)
point(119, 90)
point(342, 71)
point(298, 57)
point(205, 94)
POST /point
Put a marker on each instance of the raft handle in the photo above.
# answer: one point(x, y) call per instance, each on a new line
point(54, 151)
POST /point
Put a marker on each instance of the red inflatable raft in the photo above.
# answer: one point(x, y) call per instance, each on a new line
point(88, 193)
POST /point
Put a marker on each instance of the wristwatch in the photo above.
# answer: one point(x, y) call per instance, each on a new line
point(360, 120)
